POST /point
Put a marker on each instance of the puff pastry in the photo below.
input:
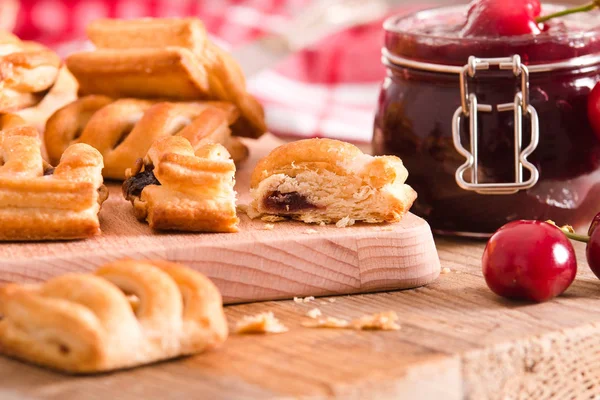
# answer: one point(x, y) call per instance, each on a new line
point(177, 188)
point(38, 202)
point(329, 181)
point(27, 71)
point(123, 130)
point(84, 323)
point(164, 58)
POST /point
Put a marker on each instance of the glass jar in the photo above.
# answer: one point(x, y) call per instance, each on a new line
point(483, 177)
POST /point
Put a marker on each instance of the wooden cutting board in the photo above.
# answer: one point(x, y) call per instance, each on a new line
point(261, 262)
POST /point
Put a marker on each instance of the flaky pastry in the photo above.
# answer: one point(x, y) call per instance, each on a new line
point(168, 58)
point(264, 322)
point(324, 180)
point(27, 71)
point(179, 188)
point(85, 323)
point(123, 130)
point(38, 202)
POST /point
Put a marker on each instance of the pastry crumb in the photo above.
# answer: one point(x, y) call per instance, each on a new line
point(329, 322)
point(271, 218)
point(242, 208)
point(314, 313)
point(268, 227)
point(446, 270)
point(383, 321)
point(345, 222)
point(457, 272)
point(310, 231)
point(303, 300)
point(261, 323)
point(322, 223)
point(332, 300)
point(386, 228)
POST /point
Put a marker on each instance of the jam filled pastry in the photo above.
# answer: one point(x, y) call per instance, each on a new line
point(328, 181)
point(164, 58)
point(85, 323)
point(38, 202)
point(123, 130)
point(27, 71)
point(177, 188)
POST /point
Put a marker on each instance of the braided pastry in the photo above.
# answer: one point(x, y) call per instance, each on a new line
point(177, 188)
point(84, 323)
point(164, 58)
point(38, 202)
point(27, 71)
point(324, 180)
point(123, 130)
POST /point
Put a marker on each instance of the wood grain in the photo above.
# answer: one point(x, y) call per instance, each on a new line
point(292, 259)
point(458, 341)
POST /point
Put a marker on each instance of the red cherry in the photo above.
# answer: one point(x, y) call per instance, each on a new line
point(593, 109)
point(494, 18)
point(592, 250)
point(529, 260)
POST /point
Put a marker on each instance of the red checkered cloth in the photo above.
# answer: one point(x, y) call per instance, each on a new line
point(327, 90)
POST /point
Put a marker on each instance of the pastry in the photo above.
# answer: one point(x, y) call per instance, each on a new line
point(123, 130)
point(329, 181)
point(85, 323)
point(27, 71)
point(62, 93)
point(177, 188)
point(164, 58)
point(38, 202)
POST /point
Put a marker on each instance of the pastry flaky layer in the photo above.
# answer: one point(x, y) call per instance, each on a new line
point(324, 180)
point(85, 323)
point(177, 187)
point(38, 202)
point(164, 58)
point(123, 130)
point(27, 71)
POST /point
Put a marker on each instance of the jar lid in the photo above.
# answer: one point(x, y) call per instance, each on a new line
point(433, 36)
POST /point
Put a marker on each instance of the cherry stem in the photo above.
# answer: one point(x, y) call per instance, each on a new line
point(570, 232)
point(584, 8)
point(575, 236)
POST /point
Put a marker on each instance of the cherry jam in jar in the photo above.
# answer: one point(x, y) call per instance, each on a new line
point(509, 81)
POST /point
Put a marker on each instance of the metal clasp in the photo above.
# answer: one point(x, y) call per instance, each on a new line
point(470, 108)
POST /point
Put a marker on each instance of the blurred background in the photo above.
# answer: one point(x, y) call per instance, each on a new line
point(328, 88)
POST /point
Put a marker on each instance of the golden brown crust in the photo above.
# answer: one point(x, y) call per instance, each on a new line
point(123, 130)
point(187, 33)
point(38, 202)
point(171, 73)
point(84, 323)
point(309, 153)
point(8, 121)
point(325, 180)
point(27, 71)
point(164, 58)
point(189, 190)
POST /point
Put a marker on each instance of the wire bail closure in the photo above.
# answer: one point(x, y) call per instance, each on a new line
point(470, 108)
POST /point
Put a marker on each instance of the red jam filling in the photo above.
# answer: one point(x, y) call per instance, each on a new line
point(415, 112)
point(287, 202)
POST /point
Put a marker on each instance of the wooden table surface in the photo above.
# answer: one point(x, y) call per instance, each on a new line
point(458, 341)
